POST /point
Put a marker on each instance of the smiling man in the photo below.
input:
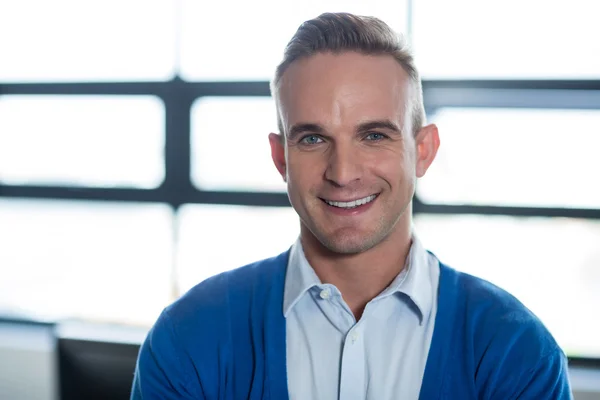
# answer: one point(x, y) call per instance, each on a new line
point(357, 308)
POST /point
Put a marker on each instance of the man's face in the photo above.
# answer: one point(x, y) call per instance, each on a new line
point(349, 158)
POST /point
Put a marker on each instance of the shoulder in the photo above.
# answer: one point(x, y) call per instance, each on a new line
point(200, 330)
point(215, 297)
point(509, 347)
point(492, 313)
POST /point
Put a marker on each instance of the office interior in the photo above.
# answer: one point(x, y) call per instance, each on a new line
point(134, 163)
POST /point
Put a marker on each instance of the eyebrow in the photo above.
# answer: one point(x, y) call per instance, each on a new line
point(364, 127)
point(379, 124)
point(300, 129)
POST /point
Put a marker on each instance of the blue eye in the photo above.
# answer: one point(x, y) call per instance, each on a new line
point(375, 136)
point(311, 139)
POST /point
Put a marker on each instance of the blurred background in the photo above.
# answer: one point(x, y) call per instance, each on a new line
point(134, 163)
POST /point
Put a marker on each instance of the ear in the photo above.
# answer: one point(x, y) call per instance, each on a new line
point(278, 153)
point(427, 142)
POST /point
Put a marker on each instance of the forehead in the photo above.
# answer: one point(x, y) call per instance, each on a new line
point(343, 90)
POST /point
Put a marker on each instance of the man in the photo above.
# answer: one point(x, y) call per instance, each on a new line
point(356, 309)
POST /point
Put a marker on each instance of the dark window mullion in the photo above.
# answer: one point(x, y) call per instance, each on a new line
point(452, 209)
point(178, 102)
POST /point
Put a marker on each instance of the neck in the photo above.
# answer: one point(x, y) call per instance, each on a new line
point(361, 277)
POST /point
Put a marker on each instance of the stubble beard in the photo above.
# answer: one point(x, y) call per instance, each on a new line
point(352, 240)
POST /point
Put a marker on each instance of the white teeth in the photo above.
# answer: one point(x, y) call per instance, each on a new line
point(351, 204)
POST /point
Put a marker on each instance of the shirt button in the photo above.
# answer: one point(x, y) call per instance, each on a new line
point(324, 294)
point(354, 336)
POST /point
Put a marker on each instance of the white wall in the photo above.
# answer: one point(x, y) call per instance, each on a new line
point(28, 362)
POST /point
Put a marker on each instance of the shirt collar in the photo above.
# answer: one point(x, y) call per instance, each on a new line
point(299, 278)
point(413, 283)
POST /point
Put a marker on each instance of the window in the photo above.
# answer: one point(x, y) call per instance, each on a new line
point(252, 35)
point(470, 39)
point(230, 146)
point(70, 40)
point(108, 262)
point(114, 141)
point(214, 239)
point(515, 157)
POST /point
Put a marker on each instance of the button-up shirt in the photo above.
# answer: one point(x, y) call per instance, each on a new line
point(382, 356)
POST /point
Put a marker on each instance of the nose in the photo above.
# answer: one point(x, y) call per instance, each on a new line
point(344, 165)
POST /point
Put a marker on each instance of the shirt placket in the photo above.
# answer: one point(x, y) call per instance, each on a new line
point(352, 364)
point(352, 371)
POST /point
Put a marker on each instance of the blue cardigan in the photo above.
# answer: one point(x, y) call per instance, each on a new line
point(225, 339)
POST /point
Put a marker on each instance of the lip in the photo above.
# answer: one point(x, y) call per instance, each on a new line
point(349, 200)
point(349, 212)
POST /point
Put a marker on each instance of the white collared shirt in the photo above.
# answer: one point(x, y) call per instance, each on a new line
point(382, 356)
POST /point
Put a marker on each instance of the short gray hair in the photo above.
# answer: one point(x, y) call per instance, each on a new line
point(341, 32)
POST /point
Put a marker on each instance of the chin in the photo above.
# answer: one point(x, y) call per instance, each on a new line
point(348, 243)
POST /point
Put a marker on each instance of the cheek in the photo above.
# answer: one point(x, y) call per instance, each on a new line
point(304, 170)
point(393, 168)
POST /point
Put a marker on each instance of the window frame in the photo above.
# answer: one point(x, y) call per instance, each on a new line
point(178, 97)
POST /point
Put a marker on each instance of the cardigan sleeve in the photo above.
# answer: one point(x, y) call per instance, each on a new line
point(161, 366)
point(524, 362)
point(547, 380)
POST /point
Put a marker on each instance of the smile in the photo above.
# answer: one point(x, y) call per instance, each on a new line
point(351, 204)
